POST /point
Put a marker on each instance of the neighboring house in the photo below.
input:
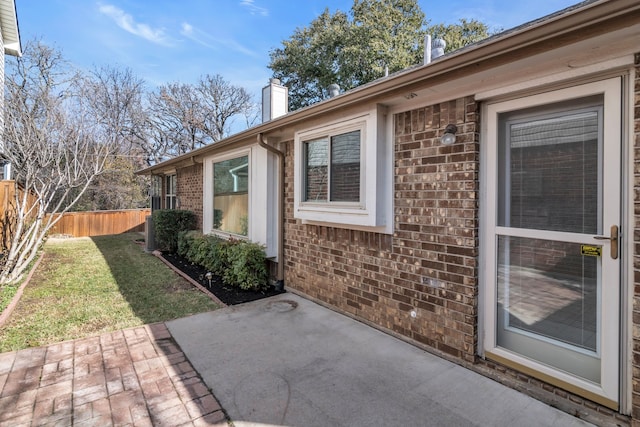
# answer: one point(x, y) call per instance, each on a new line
point(513, 251)
point(10, 43)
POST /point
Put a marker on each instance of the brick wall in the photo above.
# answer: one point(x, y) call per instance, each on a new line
point(429, 264)
point(189, 190)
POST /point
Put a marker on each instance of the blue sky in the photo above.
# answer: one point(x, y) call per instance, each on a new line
point(179, 40)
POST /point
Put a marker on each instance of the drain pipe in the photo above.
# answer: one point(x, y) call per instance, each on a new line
point(262, 143)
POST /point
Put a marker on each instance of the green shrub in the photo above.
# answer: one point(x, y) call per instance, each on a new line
point(198, 249)
point(216, 260)
point(247, 266)
point(168, 223)
point(185, 240)
point(239, 263)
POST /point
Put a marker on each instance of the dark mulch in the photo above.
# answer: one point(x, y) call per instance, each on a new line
point(227, 294)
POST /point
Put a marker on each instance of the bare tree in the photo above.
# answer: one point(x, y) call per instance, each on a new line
point(176, 120)
point(55, 145)
point(221, 103)
point(116, 103)
point(183, 117)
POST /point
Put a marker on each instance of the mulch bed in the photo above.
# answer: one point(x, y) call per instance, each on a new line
point(227, 294)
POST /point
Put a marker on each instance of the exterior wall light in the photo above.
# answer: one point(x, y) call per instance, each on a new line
point(449, 136)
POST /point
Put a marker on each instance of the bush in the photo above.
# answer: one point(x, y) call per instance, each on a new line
point(168, 223)
point(239, 263)
point(217, 260)
point(198, 249)
point(185, 240)
point(247, 266)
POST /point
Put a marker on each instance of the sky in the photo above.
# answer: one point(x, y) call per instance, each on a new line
point(165, 41)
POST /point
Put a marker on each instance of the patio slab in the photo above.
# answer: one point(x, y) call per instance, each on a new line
point(286, 361)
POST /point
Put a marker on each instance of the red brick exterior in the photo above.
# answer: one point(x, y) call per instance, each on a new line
point(189, 190)
point(429, 264)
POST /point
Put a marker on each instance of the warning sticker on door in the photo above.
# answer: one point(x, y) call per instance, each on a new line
point(591, 250)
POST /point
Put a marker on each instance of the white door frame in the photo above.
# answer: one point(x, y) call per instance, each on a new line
point(608, 392)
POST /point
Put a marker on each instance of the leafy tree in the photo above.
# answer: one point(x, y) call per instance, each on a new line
point(118, 187)
point(460, 35)
point(384, 35)
point(353, 49)
point(312, 59)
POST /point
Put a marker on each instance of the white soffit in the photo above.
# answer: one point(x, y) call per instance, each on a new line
point(10, 31)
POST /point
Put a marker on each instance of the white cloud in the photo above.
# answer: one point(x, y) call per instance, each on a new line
point(196, 35)
point(253, 9)
point(127, 23)
point(208, 40)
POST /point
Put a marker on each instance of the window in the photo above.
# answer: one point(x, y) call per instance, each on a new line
point(170, 194)
point(332, 168)
point(240, 196)
point(343, 173)
point(156, 192)
point(231, 195)
point(5, 170)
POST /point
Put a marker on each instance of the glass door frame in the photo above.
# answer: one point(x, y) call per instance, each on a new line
point(607, 392)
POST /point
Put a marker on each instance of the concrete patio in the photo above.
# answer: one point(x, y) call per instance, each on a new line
point(281, 361)
point(288, 361)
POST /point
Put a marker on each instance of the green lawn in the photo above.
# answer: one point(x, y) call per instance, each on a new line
point(88, 286)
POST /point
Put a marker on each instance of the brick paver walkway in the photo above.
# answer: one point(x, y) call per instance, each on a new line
point(133, 377)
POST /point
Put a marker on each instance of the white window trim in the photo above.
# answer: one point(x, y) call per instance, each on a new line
point(376, 175)
point(488, 195)
point(208, 198)
point(263, 197)
point(173, 195)
point(347, 127)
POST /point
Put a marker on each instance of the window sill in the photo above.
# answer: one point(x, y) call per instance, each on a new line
point(340, 217)
point(226, 235)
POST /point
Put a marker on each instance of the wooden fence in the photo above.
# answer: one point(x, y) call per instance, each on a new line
point(7, 210)
point(99, 223)
point(76, 224)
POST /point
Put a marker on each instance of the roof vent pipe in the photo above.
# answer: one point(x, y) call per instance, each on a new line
point(334, 90)
point(427, 49)
point(437, 48)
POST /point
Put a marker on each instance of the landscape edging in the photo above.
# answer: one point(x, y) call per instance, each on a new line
point(189, 279)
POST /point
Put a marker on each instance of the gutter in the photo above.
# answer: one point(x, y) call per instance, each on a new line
point(262, 143)
point(582, 20)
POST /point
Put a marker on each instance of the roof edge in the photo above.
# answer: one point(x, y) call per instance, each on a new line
point(569, 20)
point(10, 28)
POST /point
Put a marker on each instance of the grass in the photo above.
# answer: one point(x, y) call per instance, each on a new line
point(86, 287)
point(6, 294)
